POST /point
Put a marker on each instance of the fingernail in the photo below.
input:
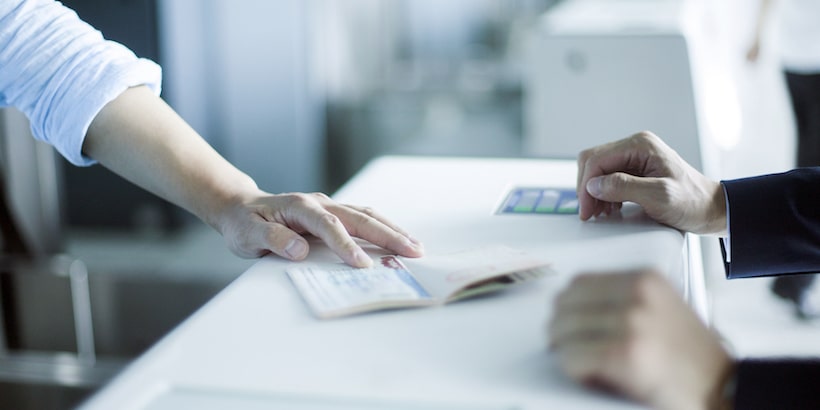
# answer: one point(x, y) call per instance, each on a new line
point(296, 249)
point(413, 243)
point(594, 186)
point(362, 258)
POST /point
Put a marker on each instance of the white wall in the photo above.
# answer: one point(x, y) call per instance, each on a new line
point(767, 142)
point(237, 70)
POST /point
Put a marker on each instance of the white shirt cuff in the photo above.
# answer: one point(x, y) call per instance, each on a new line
point(727, 243)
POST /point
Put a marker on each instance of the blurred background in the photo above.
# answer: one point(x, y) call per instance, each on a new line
point(300, 94)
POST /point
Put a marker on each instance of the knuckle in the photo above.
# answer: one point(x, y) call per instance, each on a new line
point(614, 182)
point(585, 155)
point(366, 222)
point(368, 211)
point(329, 220)
point(321, 196)
point(299, 199)
point(644, 140)
point(645, 136)
point(350, 246)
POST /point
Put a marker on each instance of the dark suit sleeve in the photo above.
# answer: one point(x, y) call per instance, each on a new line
point(774, 224)
point(777, 384)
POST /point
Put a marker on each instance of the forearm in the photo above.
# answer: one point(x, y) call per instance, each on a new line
point(142, 139)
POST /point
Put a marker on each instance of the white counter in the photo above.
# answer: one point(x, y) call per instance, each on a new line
point(256, 344)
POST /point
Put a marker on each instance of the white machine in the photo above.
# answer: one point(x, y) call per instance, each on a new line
point(601, 70)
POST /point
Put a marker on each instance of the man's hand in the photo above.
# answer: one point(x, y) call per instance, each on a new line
point(644, 170)
point(275, 223)
point(632, 333)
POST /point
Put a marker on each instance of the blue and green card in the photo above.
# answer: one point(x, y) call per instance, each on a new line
point(539, 200)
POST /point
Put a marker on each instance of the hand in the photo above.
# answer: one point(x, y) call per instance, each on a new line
point(754, 52)
point(275, 223)
point(632, 333)
point(644, 170)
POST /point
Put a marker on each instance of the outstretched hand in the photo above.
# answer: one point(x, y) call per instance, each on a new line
point(276, 223)
point(644, 170)
point(141, 138)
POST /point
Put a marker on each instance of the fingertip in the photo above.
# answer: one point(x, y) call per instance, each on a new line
point(587, 211)
point(585, 205)
point(599, 208)
point(361, 259)
point(404, 245)
point(414, 253)
point(413, 248)
point(355, 256)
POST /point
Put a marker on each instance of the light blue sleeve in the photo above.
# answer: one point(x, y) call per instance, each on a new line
point(60, 71)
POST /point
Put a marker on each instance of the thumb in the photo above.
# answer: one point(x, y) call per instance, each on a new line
point(273, 237)
point(621, 187)
point(286, 243)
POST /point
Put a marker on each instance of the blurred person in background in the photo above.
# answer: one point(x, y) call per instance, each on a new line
point(798, 49)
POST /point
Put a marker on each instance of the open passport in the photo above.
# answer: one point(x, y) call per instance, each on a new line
point(333, 290)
